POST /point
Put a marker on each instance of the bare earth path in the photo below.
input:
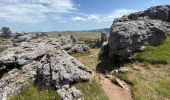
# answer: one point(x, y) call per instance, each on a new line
point(113, 91)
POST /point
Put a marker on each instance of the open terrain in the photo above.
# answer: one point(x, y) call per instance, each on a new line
point(149, 78)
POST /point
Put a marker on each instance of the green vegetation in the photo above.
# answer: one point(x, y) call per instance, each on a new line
point(157, 53)
point(6, 33)
point(33, 93)
point(151, 81)
point(92, 91)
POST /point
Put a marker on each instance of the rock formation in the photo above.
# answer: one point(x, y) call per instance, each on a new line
point(41, 61)
point(72, 45)
point(130, 34)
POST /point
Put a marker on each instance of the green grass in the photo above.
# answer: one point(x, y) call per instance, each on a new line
point(33, 93)
point(152, 82)
point(156, 53)
point(91, 91)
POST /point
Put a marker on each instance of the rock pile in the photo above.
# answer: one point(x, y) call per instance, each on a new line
point(41, 61)
point(130, 34)
point(72, 44)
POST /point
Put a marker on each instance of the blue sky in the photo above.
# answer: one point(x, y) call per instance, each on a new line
point(63, 15)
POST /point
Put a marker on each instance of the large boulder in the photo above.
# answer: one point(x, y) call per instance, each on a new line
point(130, 34)
point(41, 61)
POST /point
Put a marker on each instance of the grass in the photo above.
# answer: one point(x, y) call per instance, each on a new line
point(152, 81)
point(81, 35)
point(91, 91)
point(89, 59)
point(156, 53)
point(33, 93)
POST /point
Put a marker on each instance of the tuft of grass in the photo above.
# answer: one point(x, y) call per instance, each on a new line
point(34, 93)
point(92, 91)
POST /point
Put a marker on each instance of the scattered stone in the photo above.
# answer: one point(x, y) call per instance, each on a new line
point(114, 72)
point(123, 69)
point(71, 94)
point(122, 84)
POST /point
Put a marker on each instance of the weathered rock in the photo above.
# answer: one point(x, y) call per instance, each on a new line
point(40, 60)
point(20, 37)
point(123, 69)
point(61, 70)
point(132, 33)
point(104, 38)
point(71, 94)
point(157, 13)
point(131, 36)
point(80, 47)
point(72, 45)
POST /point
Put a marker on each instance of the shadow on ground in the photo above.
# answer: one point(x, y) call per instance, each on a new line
point(106, 67)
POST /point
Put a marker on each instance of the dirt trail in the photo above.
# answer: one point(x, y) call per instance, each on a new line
point(113, 91)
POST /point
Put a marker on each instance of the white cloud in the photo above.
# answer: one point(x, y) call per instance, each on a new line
point(103, 18)
point(118, 13)
point(79, 19)
point(93, 18)
point(33, 10)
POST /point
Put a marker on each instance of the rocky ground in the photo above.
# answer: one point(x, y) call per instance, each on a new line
point(122, 74)
point(44, 62)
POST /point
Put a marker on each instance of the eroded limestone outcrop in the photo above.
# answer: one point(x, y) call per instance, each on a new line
point(72, 44)
point(130, 34)
point(41, 61)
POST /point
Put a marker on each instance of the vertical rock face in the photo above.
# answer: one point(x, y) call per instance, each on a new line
point(130, 34)
point(40, 60)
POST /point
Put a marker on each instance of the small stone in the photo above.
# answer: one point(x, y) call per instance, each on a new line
point(123, 69)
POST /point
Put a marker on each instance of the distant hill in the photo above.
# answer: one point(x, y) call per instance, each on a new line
point(98, 30)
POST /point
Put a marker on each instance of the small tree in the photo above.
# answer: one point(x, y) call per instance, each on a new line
point(6, 33)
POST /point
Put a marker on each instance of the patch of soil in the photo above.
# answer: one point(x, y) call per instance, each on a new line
point(113, 91)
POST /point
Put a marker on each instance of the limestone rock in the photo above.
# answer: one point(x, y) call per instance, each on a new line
point(41, 60)
point(72, 45)
point(130, 34)
point(71, 94)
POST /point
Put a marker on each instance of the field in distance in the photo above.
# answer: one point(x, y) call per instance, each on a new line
point(80, 35)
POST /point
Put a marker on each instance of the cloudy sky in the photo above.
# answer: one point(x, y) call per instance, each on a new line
point(63, 15)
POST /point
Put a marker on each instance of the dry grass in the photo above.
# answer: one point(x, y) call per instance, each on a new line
point(81, 35)
point(90, 60)
point(93, 90)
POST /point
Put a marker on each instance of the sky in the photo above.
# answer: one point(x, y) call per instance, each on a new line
point(67, 15)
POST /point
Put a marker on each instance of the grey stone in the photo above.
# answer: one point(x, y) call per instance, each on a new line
point(71, 94)
point(71, 44)
point(130, 34)
point(40, 60)
point(123, 69)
